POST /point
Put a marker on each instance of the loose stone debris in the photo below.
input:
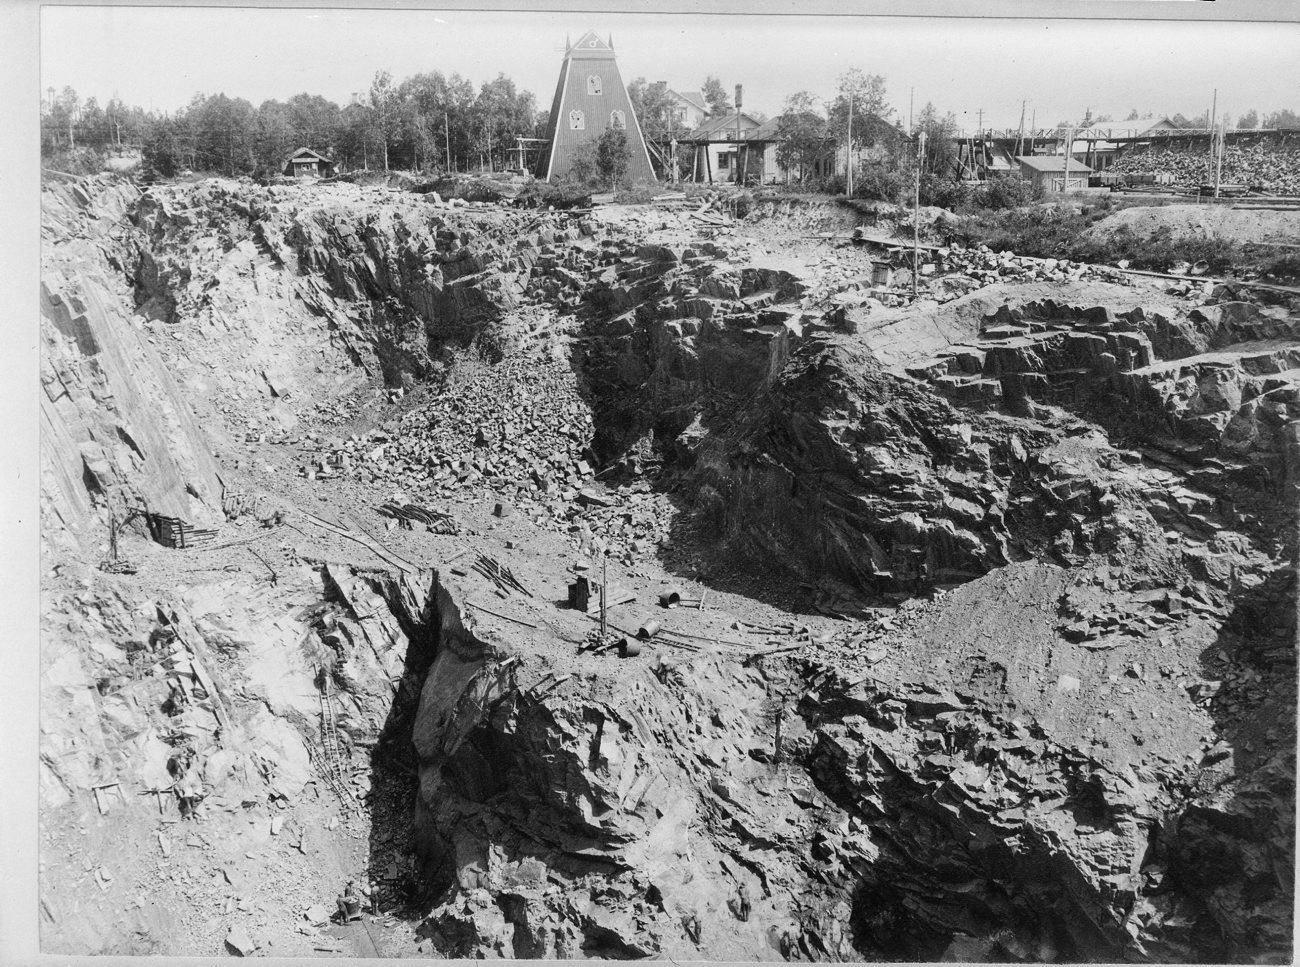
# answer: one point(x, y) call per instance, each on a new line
point(450, 579)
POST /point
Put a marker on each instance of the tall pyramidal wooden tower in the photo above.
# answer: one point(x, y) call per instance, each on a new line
point(589, 99)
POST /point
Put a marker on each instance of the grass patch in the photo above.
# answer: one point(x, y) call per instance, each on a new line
point(1057, 231)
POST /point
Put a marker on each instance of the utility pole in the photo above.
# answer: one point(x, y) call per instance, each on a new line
point(1218, 167)
point(911, 98)
point(736, 162)
point(446, 134)
point(848, 177)
point(1020, 138)
point(1069, 147)
point(916, 215)
point(1209, 122)
point(1033, 126)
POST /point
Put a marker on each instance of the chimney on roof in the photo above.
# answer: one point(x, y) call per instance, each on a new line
point(611, 41)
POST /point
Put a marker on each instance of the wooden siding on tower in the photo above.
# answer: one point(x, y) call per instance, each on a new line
point(571, 94)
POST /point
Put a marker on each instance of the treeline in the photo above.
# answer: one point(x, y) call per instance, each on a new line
point(427, 121)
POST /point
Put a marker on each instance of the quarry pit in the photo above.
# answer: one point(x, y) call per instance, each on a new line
point(983, 645)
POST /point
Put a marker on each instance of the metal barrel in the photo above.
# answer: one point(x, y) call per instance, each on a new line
point(629, 647)
point(669, 598)
point(648, 629)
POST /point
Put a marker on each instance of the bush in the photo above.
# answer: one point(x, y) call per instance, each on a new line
point(882, 184)
point(78, 161)
point(612, 156)
point(1284, 269)
point(1006, 192)
point(945, 192)
point(539, 194)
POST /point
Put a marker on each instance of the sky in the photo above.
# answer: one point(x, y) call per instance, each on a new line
point(160, 57)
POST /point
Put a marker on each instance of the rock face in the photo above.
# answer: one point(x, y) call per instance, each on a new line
point(1071, 739)
point(986, 460)
point(117, 430)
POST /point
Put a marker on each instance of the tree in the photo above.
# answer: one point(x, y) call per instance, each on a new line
point(354, 135)
point(276, 136)
point(1249, 120)
point(1201, 120)
point(715, 96)
point(870, 111)
point(612, 156)
point(119, 119)
point(868, 94)
point(501, 114)
point(654, 109)
point(802, 133)
point(224, 132)
point(1285, 118)
point(940, 155)
point(384, 102)
point(161, 150)
point(1132, 115)
point(315, 122)
point(92, 124)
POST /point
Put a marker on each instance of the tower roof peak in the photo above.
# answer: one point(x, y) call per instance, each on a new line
point(590, 43)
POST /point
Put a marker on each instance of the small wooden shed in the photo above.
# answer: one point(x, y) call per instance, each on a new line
point(1048, 171)
point(306, 163)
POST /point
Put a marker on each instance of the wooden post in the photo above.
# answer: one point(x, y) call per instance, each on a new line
point(1020, 137)
point(780, 716)
point(916, 215)
point(848, 158)
point(1069, 147)
point(446, 135)
point(604, 561)
point(735, 162)
point(1218, 167)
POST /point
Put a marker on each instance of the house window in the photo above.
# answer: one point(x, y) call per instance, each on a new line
point(593, 84)
point(576, 121)
point(617, 119)
point(724, 159)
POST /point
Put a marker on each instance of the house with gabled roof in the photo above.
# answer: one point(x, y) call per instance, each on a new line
point(590, 99)
point(306, 163)
point(689, 108)
point(732, 144)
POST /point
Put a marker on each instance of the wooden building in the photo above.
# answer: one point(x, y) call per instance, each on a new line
point(306, 163)
point(689, 108)
point(1048, 172)
point(591, 98)
point(713, 146)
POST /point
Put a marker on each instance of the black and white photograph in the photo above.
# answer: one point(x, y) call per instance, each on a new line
point(718, 484)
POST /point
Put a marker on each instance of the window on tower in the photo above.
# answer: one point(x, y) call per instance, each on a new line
point(617, 120)
point(593, 84)
point(576, 121)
